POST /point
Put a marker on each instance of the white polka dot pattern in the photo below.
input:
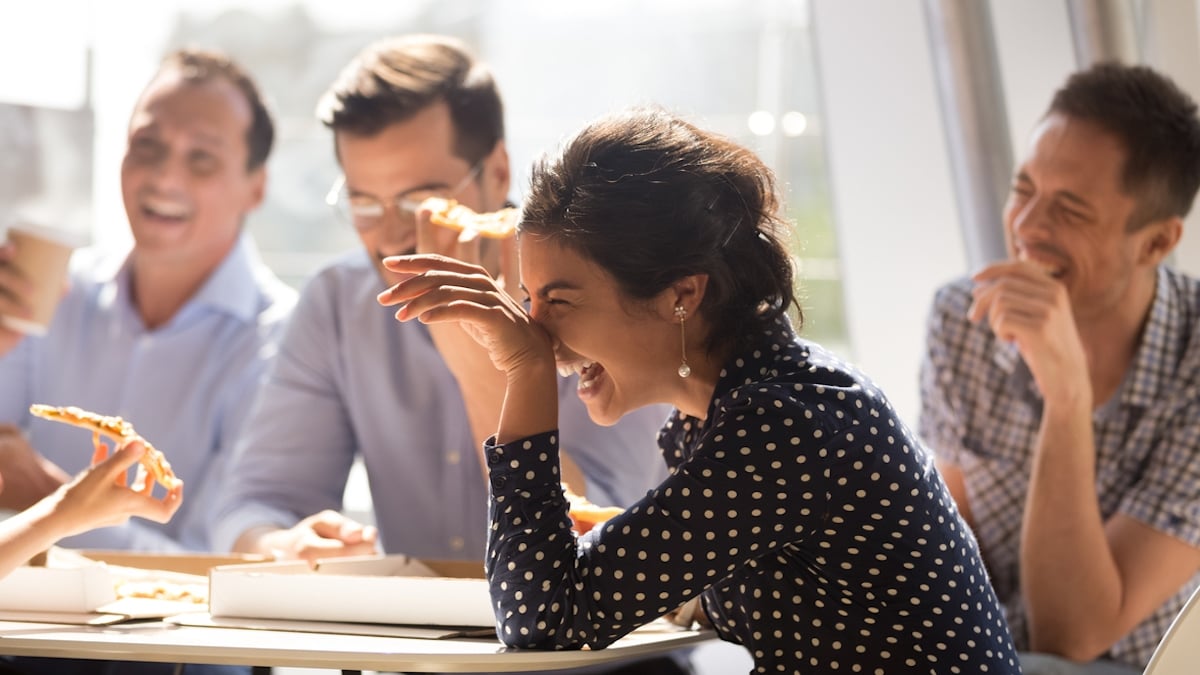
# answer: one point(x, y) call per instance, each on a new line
point(815, 528)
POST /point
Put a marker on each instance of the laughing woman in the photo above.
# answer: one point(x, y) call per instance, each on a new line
point(806, 516)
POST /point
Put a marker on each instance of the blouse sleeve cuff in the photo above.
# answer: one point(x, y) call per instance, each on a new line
point(524, 464)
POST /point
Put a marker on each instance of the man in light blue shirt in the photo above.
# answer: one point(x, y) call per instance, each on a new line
point(175, 335)
point(412, 118)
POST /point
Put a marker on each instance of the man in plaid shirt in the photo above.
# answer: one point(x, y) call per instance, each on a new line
point(1061, 387)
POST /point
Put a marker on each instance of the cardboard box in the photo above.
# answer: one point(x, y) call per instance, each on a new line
point(392, 589)
point(182, 563)
point(57, 589)
point(84, 583)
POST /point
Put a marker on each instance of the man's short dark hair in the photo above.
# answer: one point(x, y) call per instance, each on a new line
point(1156, 123)
point(393, 79)
point(200, 65)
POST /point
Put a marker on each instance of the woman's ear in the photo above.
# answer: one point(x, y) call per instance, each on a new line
point(688, 292)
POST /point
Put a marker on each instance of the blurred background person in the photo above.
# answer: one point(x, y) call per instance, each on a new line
point(174, 335)
point(1060, 385)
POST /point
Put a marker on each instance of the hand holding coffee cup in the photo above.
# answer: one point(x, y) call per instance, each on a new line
point(33, 271)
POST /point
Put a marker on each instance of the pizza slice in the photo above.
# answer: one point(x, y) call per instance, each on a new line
point(449, 213)
point(152, 462)
point(586, 515)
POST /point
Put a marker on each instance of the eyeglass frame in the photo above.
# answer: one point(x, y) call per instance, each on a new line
point(404, 204)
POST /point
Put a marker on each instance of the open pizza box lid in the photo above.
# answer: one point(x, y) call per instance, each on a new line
point(385, 589)
point(83, 587)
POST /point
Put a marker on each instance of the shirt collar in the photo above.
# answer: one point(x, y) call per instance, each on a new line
point(231, 288)
point(753, 364)
point(1158, 351)
point(740, 368)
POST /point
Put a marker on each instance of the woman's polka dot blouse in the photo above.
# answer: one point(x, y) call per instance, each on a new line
point(804, 513)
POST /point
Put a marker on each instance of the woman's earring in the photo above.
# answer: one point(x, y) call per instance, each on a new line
point(681, 314)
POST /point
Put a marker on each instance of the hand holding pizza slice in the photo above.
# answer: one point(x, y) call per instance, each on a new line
point(152, 462)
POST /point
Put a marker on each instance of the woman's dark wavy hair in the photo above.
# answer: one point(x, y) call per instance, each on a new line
point(651, 199)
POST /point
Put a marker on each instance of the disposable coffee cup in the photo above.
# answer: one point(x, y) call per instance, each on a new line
point(41, 257)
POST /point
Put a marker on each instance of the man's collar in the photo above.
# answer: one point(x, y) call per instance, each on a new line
point(1158, 350)
point(231, 288)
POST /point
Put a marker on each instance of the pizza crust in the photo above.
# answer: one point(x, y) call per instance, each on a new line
point(449, 213)
point(152, 461)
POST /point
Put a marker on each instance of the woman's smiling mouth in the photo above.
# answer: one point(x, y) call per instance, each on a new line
point(588, 371)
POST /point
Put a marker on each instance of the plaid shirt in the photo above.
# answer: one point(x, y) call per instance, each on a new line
point(980, 411)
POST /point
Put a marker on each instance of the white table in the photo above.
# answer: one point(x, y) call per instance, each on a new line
point(164, 642)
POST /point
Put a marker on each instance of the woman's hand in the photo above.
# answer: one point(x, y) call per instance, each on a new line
point(99, 497)
point(445, 289)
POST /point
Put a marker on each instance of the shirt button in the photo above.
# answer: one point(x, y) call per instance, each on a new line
point(453, 457)
point(497, 482)
point(457, 543)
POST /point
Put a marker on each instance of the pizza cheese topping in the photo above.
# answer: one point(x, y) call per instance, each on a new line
point(117, 429)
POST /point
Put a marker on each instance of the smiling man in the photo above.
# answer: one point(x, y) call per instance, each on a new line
point(173, 335)
point(1061, 387)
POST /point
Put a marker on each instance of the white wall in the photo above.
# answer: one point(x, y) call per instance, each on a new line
point(1033, 45)
point(890, 176)
point(1173, 45)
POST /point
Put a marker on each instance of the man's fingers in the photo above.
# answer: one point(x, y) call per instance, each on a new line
point(334, 526)
point(1011, 268)
point(315, 549)
point(15, 287)
point(468, 245)
point(426, 231)
point(510, 270)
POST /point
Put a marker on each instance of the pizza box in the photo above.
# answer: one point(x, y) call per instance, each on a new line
point(184, 563)
point(57, 589)
point(381, 589)
point(84, 585)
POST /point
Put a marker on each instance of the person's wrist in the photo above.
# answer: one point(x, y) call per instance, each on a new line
point(530, 401)
point(54, 518)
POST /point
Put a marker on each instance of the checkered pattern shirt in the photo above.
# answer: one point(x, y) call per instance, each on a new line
point(980, 411)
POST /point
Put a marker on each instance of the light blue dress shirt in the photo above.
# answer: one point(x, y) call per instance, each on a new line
point(351, 380)
point(185, 386)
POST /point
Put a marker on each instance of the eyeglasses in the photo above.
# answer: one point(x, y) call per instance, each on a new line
point(365, 212)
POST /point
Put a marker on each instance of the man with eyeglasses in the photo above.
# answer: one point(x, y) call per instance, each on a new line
point(412, 117)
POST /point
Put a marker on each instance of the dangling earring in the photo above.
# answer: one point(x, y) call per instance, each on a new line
point(684, 368)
